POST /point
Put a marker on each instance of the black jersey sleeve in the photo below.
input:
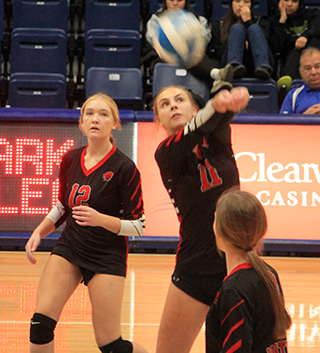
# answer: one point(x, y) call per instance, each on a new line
point(62, 188)
point(131, 193)
point(236, 318)
point(133, 218)
point(207, 122)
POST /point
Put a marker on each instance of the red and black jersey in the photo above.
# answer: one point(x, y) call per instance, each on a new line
point(111, 187)
point(197, 165)
point(241, 319)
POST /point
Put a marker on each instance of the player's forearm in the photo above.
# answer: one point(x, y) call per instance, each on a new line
point(112, 224)
point(45, 228)
point(123, 227)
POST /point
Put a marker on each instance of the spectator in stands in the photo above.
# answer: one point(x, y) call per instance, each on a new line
point(207, 69)
point(241, 38)
point(306, 98)
point(292, 30)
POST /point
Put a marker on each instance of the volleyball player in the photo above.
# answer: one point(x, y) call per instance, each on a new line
point(248, 314)
point(100, 199)
point(197, 165)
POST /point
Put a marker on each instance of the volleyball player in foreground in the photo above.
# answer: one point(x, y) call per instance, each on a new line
point(248, 314)
point(101, 201)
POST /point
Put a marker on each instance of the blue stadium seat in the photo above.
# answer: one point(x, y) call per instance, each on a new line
point(297, 83)
point(197, 6)
point(220, 8)
point(37, 90)
point(41, 14)
point(124, 85)
point(112, 48)
point(112, 15)
point(165, 75)
point(38, 50)
point(264, 95)
point(312, 4)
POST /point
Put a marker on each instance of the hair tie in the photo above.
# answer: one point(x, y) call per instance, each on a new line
point(249, 248)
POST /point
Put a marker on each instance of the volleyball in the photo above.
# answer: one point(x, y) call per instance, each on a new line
point(179, 38)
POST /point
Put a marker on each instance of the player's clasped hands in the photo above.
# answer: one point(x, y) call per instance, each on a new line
point(235, 100)
point(86, 216)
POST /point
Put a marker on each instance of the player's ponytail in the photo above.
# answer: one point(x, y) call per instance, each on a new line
point(241, 220)
point(282, 318)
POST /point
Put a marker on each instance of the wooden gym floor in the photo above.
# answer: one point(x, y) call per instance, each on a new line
point(146, 287)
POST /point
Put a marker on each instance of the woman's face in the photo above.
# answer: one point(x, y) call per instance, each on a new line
point(97, 121)
point(291, 6)
point(176, 4)
point(237, 6)
point(175, 109)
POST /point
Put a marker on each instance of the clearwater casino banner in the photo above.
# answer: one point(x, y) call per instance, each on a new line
point(278, 163)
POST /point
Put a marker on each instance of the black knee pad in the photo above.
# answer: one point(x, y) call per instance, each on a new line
point(117, 346)
point(42, 329)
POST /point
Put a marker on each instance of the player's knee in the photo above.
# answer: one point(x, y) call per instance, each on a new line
point(42, 329)
point(117, 346)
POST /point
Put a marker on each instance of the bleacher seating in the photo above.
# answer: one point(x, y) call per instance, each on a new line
point(98, 33)
point(312, 4)
point(37, 90)
point(38, 50)
point(124, 85)
point(112, 48)
point(297, 82)
point(112, 15)
point(41, 14)
point(38, 68)
point(165, 75)
point(263, 94)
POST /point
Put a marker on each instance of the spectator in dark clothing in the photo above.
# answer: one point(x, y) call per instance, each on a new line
point(241, 38)
point(292, 30)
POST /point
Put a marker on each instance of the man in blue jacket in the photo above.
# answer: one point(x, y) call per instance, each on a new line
point(306, 98)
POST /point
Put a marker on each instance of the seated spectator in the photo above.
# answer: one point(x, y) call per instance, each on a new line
point(241, 38)
point(292, 30)
point(207, 69)
point(306, 98)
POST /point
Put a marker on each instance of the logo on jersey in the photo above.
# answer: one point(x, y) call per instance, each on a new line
point(107, 176)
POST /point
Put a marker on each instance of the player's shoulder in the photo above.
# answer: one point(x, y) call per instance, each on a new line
point(124, 161)
point(241, 280)
point(72, 154)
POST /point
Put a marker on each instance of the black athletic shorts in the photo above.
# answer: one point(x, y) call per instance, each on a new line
point(202, 288)
point(86, 271)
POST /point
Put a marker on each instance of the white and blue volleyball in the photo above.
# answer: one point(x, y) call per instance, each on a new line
point(179, 38)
